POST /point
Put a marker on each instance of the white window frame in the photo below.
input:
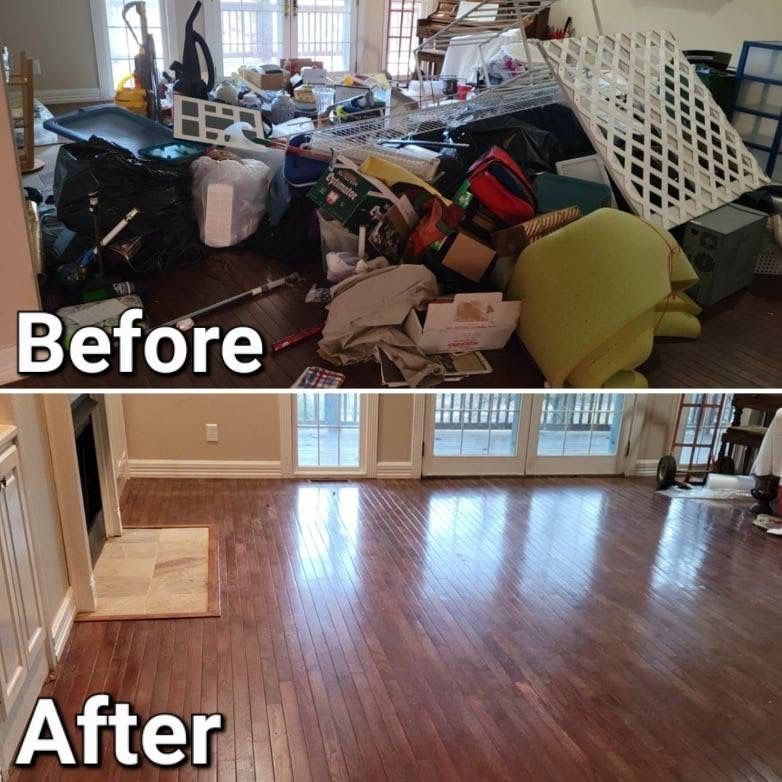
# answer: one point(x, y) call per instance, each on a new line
point(100, 32)
point(367, 467)
point(213, 33)
point(526, 462)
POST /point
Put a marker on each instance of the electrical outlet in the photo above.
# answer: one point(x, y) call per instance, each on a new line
point(212, 433)
point(36, 67)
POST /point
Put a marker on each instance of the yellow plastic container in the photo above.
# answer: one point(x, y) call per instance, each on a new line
point(131, 98)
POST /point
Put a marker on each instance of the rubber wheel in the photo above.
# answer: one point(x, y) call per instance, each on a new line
point(726, 466)
point(666, 473)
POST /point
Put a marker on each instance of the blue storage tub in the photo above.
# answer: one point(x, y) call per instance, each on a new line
point(111, 123)
point(302, 173)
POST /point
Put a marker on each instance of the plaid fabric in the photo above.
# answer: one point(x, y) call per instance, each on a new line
point(315, 377)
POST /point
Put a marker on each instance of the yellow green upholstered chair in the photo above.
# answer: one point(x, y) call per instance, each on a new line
point(596, 293)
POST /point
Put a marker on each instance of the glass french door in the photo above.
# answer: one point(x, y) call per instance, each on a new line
point(475, 434)
point(578, 434)
point(511, 434)
point(329, 433)
point(257, 32)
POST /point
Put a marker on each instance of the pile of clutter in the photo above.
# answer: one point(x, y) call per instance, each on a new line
point(435, 248)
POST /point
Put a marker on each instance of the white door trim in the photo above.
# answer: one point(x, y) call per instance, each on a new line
point(369, 429)
point(112, 516)
point(213, 34)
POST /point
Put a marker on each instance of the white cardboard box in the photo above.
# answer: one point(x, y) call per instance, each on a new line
point(472, 321)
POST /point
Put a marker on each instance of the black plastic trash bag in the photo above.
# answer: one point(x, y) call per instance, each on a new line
point(161, 193)
point(295, 238)
point(534, 149)
point(537, 139)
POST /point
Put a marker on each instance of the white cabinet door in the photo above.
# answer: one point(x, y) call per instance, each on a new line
point(21, 628)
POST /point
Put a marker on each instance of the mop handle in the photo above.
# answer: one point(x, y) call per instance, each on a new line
point(119, 227)
point(187, 323)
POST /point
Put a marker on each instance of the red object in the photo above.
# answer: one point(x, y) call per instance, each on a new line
point(296, 339)
point(498, 182)
point(779, 500)
point(462, 91)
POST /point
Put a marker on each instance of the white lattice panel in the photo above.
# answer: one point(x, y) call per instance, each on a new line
point(667, 144)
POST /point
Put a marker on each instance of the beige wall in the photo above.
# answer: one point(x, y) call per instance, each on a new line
point(57, 33)
point(698, 24)
point(659, 421)
point(174, 427)
point(395, 421)
point(19, 288)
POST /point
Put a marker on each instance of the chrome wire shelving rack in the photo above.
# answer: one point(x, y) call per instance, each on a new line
point(362, 138)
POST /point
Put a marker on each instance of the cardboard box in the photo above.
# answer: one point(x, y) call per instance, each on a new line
point(471, 321)
point(295, 64)
point(469, 257)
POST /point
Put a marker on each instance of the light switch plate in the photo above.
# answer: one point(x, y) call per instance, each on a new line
point(212, 433)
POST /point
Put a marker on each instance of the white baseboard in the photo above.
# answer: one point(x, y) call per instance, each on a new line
point(645, 468)
point(165, 468)
point(51, 97)
point(395, 471)
point(8, 372)
point(63, 622)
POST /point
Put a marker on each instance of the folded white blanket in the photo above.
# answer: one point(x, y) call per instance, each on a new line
point(769, 460)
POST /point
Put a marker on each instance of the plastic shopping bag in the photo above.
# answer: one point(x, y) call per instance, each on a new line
point(229, 197)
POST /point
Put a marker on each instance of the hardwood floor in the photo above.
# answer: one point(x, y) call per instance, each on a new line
point(739, 347)
point(473, 629)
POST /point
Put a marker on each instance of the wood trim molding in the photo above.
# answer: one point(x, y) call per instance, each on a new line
point(183, 468)
point(63, 622)
point(644, 468)
point(395, 471)
point(53, 97)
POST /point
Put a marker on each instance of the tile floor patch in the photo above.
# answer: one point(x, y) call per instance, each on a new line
point(152, 572)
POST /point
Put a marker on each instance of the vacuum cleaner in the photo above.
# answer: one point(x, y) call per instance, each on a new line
point(145, 72)
point(189, 81)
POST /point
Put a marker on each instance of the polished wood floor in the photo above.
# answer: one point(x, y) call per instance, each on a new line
point(472, 629)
